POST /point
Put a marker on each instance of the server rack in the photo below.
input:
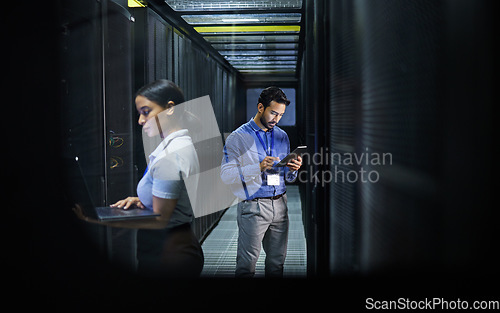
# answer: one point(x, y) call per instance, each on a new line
point(163, 49)
point(81, 62)
point(96, 85)
point(314, 131)
point(371, 104)
point(399, 83)
point(344, 100)
point(107, 54)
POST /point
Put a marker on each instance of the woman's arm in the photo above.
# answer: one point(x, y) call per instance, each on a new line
point(165, 207)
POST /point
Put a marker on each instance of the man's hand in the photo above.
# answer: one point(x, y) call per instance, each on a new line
point(295, 164)
point(268, 163)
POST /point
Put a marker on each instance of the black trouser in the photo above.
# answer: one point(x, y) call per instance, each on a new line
point(174, 252)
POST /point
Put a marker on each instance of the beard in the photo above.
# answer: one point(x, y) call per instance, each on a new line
point(268, 125)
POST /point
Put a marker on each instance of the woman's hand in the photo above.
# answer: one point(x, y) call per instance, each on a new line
point(126, 203)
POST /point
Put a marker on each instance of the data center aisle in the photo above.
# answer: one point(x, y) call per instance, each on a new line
point(220, 246)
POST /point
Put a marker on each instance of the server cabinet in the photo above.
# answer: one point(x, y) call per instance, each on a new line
point(153, 47)
point(118, 103)
point(153, 60)
point(81, 87)
point(163, 51)
point(96, 97)
point(313, 129)
point(401, 111)
point(96, 106)
point(344, 75)
point(119, 111)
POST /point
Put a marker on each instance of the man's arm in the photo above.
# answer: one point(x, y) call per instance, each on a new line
point(239, 159)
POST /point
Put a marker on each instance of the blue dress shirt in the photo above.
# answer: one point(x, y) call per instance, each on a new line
point(243, 153)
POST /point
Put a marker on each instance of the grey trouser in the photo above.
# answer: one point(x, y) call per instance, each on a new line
point(262, 221)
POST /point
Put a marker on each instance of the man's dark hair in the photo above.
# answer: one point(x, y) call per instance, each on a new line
point(273, 93)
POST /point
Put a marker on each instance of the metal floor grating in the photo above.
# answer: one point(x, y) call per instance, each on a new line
point(220, 246)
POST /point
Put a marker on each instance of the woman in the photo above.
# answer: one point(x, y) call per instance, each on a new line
point(166, 245)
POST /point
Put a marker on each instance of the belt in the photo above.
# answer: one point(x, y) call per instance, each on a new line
point(273, 197)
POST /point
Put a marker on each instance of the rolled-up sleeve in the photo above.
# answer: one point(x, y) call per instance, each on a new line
point(240, 151)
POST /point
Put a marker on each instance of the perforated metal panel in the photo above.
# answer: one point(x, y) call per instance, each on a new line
point(159, 47)
point(344, 88)
point(401, 116)
point(118, 103)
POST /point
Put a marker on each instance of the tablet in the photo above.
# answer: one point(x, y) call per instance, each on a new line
point(300, 150)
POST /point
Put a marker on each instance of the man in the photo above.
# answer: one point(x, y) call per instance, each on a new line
point(248, 166)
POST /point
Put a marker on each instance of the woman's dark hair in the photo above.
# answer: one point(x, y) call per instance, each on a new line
point(161, 92)
point(273, 93)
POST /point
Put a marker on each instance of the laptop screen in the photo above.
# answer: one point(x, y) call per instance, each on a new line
point(76, 187)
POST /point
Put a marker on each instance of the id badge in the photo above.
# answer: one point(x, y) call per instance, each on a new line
point(273, 180)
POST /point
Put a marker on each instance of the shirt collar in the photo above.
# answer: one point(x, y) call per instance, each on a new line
point(166, 141)
point(255, 127)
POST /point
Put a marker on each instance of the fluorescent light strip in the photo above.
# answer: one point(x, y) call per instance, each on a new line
point(136, 4)
point(244, 29)
point(240, 20)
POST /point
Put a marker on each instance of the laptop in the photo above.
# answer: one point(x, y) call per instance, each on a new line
point(79, 194)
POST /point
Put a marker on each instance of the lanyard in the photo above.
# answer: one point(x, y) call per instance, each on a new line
point(269, 152)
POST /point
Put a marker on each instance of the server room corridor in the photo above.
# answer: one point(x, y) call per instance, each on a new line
point(393, 100)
